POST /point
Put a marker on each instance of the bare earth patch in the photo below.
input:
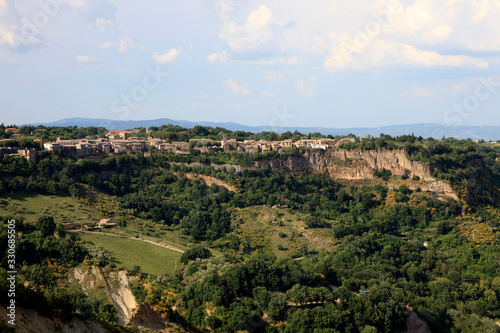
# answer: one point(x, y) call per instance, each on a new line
point(210, 180)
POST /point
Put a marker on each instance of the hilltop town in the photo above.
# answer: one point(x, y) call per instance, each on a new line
point(124, 142)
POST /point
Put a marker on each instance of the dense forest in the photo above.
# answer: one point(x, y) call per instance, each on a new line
point(412, 250)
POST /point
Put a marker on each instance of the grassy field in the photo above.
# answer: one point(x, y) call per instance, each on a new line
point(267, 229)
point(491, 144)
point(128, 253)
point(67, 209)
point(32, 206)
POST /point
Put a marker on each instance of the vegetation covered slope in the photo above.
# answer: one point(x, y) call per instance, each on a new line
point(409, 248)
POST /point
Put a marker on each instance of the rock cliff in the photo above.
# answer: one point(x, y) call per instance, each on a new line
point(352, 164)
point(359, 164)
point(115, 287)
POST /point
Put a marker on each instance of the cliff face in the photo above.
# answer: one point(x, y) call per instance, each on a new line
point(358, 164)
point(352, 164)
point(115, 287)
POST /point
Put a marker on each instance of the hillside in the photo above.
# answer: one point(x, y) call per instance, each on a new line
point(379, 235)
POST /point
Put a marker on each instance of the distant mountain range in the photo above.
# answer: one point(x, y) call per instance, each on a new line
point(424, 130)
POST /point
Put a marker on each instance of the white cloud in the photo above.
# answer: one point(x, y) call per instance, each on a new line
point(86, 58)
point(256, 31)
point(232, 85)
point(467, 25)
point(220, 57)
point(437, 34)
point(273, 76)
point(418, 92)
point(16, 31)
point(103, 24)
point(168, 58)
point(127, 44)
point(381, 53)
point(79, 4)
point(106, 45)
point(482, 9)
point(3, 7)
point(92, 9)
point(275, 34)
point(303, 89)
point(304, 27)
point(269, 93)
point(244, 91)
point(224, 57)
point(16, 41)
point(319, 45)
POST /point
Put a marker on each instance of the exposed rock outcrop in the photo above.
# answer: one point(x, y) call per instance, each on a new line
point(115, 287)
point(352, 164)
point(237, 168)
point(146, 317)
point(415, 324)
point(122, 297)
point(360, 164)
point(364, 162)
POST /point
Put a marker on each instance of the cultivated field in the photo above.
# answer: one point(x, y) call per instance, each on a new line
point(31, 206)
point(127, 253)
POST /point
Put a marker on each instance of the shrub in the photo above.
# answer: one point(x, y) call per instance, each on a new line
point(195, 252)
point(384, 174)
point(46, 225)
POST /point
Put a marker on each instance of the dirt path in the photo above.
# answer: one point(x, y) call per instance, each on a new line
point(167, 246)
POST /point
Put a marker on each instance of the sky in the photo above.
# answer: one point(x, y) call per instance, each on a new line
point(283, 63)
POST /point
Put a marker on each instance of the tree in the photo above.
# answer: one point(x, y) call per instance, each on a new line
point(46, 225)
point(261, 297)
point(24, 130)
point(194, 252)
point(277, 306)
point(60, 230)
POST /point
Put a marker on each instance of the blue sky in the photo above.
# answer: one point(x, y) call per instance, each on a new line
point(281, 63)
